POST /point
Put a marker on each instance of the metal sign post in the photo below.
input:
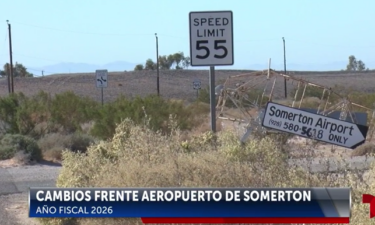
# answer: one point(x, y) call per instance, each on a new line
point(211, 44)
point(102, 81)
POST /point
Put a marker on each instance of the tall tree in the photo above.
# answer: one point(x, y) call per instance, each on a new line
point(166, 62)
point(19, 70)
point(352, 65)
point(178, 58)
point(361, 66)
point(186, 62)
point(138, 67)
point(355, 65)
point(150, 65)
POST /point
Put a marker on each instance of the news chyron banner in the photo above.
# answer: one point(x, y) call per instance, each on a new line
point(196, 205)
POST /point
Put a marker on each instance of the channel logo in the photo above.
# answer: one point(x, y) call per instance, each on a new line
point(369, 199)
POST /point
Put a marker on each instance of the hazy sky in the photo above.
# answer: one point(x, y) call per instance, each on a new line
point(46, 32)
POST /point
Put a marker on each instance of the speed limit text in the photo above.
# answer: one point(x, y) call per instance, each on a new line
point(214, 22)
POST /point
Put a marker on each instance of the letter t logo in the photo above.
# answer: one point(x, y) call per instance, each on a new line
point(369, 199)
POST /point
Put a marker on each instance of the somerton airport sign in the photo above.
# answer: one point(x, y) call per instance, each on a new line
point(314, 126)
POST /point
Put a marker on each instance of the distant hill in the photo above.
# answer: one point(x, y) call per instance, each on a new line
point(334, 66)
point(120, 66)
point(67, 67)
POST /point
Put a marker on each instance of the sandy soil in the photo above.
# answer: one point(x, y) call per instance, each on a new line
point(17, 206)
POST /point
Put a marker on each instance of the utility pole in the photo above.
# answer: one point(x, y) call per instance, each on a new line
point(8, 77)
point(42, 73)
point(157, 64)
point(284, 69)
point(11, 58)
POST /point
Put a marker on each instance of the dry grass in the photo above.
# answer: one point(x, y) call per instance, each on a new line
point(53, 144)
point(143, 158)
point(21, 158)
point(365, 149)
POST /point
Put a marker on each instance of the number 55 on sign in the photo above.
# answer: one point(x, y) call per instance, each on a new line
point(211, 38)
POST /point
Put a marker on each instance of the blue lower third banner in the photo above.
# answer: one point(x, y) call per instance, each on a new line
point(164, 204)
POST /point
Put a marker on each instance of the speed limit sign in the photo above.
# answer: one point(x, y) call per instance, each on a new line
point(211, 38)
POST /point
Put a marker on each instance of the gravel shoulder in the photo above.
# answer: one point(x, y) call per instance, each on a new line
point(14, 210)
point(15, 181)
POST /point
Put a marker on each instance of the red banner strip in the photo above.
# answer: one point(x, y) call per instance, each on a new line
point(246, 220)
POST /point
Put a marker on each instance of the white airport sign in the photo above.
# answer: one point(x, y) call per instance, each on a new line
point(101, 78)
point(314, 126)
point(211, 38)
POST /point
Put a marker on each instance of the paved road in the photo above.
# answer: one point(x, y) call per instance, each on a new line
point(15, 183)
point(19, 179)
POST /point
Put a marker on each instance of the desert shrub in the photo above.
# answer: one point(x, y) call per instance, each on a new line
point(311, 91)
point(199, 108)
point(317, 92)
point(145, 158)
point(152, 108)
point(53, 144)
point(70, 111)
point(250, 97)
point(32, 111)
point(8, 111)
point(204, 95)
point(10, 144)
point(20, 114)
point(364, 149)
point(364, 99)
point(79, 142)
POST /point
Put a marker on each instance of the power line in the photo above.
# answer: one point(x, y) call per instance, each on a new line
point(179, 37)
point(82, 32)
point(122, 34)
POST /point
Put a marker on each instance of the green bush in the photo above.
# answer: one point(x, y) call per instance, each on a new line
point(53, 144)
point(20, 114)
point(363, 99)
point(152, 110)
point(311, 91)
point(10, 144)
point(70, 111)
point(80, 142)
point(32, 111)
point(204, 95)
point(251, 97)
point(8, 112)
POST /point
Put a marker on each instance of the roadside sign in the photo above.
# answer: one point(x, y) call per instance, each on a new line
point(197, 84)
point(101, 78)
point(211, 38)
point(314, 126)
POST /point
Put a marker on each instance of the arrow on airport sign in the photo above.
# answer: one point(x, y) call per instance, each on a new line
point(314, 126)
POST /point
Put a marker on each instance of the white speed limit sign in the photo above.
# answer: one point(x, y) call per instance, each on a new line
point(211, 38)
